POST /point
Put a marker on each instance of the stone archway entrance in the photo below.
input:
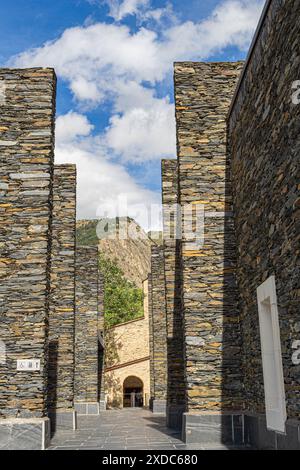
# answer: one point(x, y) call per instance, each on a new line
point(133, 392)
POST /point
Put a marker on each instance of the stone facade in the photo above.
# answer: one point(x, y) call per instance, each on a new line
point(159, 331)
point(264, 128)
point(151, 340)
point(203, 93)
point(127, 355)
point(238, 160)
point(173, 281)
point(26, 179)
point(27, 141)
point(86, 331)
point(62, 295)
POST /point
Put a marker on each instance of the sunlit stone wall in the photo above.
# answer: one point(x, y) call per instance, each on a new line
point(27, 108)
point(203, 92)
point(62, 292)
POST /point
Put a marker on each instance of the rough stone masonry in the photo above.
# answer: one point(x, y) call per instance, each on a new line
point(158, 328)
point(203, 92)
point(62, 299)
point(26, 165)
point(86, 331)
point(264, 145)
point(173, 280)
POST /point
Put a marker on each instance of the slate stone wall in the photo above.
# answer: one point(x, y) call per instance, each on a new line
point(62, 290)
point(264, 129)
point(159, 323)
point(203, 92)
point(151, 339)
point(27, 109)
point(173, 278)
point(86, 325)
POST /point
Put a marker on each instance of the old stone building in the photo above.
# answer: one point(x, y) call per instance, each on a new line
point(127, 361)
point(238, 264)
point(88, 324)
point(38, 272)
point(218, 348)
point(61, 336)
point(158, 328)
point(203, 92)
point(173, 292)
point(26, 182)
point(264, 148)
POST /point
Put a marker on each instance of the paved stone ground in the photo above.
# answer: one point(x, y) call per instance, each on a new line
point(127, 429)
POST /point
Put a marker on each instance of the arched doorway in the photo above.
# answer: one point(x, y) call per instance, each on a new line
point(133, 392)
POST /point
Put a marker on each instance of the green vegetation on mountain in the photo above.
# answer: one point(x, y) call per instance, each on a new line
point(123, 301)
point(86, 234)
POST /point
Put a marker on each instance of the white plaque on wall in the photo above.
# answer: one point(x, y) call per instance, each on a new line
point(28, 364)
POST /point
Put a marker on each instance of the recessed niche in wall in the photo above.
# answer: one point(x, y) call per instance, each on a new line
point(271, 356)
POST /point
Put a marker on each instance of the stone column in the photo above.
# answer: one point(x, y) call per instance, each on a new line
point(151, 347)
point(101, 348)
point(172, 264)
point(27, 109)
point(86, 331)
point(62, 300)
point(159, 323)
point(203, 94)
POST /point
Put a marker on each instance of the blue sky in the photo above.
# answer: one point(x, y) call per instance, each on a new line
point(113, 59)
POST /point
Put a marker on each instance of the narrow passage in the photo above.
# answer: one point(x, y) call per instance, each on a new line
point(126, 429)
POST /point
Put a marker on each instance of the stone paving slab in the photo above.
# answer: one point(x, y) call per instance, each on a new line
point(128, 429)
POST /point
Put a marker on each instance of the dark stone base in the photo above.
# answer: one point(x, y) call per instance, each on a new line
point(92, 408)
point(258, 436)
point(102, 405)
point(238, 429)
point(174, 416)
point(63, 420)
point(213, 428)
point(151, 403)
point(24, 434)
point(159, 406)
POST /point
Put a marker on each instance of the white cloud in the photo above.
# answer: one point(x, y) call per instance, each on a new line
point(109, 63)
point(119, 9)
point(103, 188)
point(93, 59)
point(72, 125)
point(142, 10)
point(144, 128)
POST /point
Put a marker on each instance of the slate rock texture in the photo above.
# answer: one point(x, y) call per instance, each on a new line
point(86, 325)
point(159, 325)
point(27, 109)
point(264, 129)
point(203, 92)
point(173, 281)
point(151, 339)
point(62, 291)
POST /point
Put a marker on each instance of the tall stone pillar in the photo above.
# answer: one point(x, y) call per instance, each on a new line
point(203, 94)
point(159, 330)
point(101, 347)
point(172, 264)
point(86, 331)
point(151, 344)
point(62, 300)
point(27, 109)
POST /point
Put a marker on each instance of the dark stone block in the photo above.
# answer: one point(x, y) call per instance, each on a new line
point(159, 406)
point(174, 416)
point(290, 440)
point(259, 437)
point(63, 420)
point(216, 428)
point(24, 434)
point(87, 408)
